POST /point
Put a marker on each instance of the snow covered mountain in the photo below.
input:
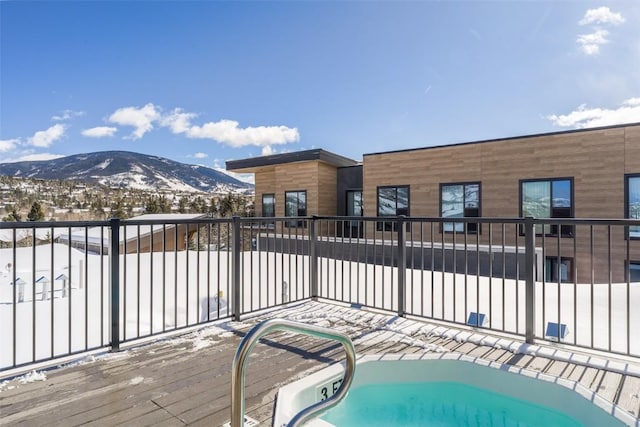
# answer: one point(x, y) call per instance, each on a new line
point(128, 170)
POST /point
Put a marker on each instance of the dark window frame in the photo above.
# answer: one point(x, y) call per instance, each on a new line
point(296, 223)
point(353, 228)
point(470, 225)
point(627, 269)
point(570, 269)
point(391, 225)
point(273, 196)
point(627, 190)
point(565, 230)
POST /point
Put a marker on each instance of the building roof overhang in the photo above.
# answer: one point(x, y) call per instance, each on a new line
point(318, 154)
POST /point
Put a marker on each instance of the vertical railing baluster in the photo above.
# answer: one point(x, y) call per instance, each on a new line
point(114, 271)
point(402, 265)
point(529, 256)
point(313, 268)
point(33, 296)
point(235, 268)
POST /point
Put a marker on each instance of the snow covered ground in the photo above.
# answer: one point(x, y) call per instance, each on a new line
point(188, 287)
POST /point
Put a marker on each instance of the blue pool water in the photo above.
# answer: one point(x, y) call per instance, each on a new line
point(439, 404)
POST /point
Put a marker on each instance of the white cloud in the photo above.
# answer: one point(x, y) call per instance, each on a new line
point(67, 115)
point(590, 43)
point(178, 120)
point(32, 157)
point(140, 118)
point(249, 178)
point(201, 155)
point(45, 138)
point(583, 117)
point(39, 157)
point(601, 15)
point(267, 150)
point(228, 132)
point(8, 144)
point(99, 132)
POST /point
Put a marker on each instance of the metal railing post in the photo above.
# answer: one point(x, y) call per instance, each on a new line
point(267, 326)
point(114, 272)
point(402, 265)
point(235, 268)
point(313, 255)
point(529, 261)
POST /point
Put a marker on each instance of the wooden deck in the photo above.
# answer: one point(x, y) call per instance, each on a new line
point(186, 380)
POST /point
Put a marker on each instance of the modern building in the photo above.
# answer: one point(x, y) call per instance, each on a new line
point(591, 173)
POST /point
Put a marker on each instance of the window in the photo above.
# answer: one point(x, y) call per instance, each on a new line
point(554, 269)
point(295, 205)
point(354, 203)
point(268, 205)
point(460, 201)
point(354, 208)
point(549, 198)
point(634, 271)
point(632, 203)
point(392, 201)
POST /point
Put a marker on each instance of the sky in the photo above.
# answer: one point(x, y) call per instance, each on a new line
point(204, 82)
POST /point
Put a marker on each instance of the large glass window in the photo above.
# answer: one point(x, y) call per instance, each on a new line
point(295, 205)
point(459, 201)
point(632, 205)
point(268, 205)
point(549, 198)
point(392, 201)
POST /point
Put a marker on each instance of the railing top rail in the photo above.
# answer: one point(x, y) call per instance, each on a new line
point(271, 325)
point(209, 220)
point(487, 220)
point(52, 224)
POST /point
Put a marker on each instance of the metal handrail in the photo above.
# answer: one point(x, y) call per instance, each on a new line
point(263, 328)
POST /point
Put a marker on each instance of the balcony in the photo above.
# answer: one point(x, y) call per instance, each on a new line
point(162, 351)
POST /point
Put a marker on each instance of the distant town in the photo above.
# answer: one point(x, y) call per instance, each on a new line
point(26, 199)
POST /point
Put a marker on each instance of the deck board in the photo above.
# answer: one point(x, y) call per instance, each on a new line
point(186, 380)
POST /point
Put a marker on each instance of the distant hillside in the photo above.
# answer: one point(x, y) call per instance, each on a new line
point(128, 170)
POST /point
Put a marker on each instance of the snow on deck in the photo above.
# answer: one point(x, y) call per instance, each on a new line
point(185, 380)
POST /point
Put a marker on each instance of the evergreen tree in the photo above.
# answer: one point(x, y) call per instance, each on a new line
point(35, 214)
point(118, 209)
point(13, 215)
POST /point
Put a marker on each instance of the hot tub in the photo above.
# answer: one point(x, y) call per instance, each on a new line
point(447, 389)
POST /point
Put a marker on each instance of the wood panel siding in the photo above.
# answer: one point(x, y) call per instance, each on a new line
point(265, 183)
point(596, 160)
point(317, 178)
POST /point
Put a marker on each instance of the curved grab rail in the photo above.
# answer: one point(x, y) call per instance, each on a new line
point(267, 326)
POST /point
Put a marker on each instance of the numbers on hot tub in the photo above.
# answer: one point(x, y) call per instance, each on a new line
point(330, 389)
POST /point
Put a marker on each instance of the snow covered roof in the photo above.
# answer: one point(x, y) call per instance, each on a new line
point(6, 235)
point(166, 217)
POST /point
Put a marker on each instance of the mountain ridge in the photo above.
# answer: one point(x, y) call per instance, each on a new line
point(128, 169)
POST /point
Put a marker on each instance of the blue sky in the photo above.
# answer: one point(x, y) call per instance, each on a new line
point(204, 82)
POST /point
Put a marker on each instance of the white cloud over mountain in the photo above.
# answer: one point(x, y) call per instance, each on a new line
point(45, 138)
point(8, 144)
point(179, 122)
point(99, 132)
point(141, 119)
